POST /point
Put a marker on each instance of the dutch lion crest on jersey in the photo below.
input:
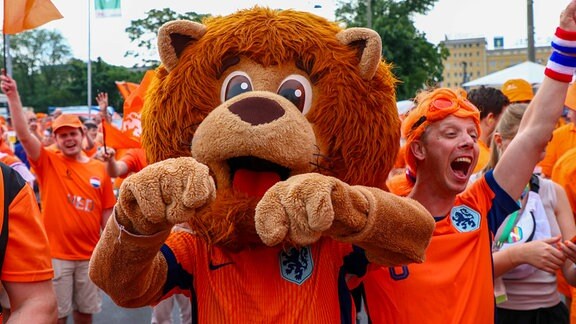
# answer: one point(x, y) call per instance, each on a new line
point(296, 265)
point(465, 219)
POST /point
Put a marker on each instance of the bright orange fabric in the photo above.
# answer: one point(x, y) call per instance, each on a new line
point(133, 105)
point(249, 286)
point(9, 159)
point(21, 15)
point(27, 257)
point(135, 160)
point(563, 139)
point(454, 285)
point(73, 196)
point(126, 88)
point(116, 138)
point(564, 173)
point(483, 156)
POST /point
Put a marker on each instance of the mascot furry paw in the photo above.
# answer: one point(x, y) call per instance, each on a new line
point(273, 133)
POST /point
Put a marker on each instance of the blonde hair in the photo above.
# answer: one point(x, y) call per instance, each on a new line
point(507, 128)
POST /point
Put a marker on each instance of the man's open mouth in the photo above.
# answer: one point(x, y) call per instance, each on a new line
point(461, 166)
point(254, 176)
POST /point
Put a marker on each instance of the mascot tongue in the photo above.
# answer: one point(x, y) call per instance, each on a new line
point(254, 183)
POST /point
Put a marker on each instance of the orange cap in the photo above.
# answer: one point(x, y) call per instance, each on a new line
point(66, 120)
point(518, 90)
point(571, 97)
point(435, 106)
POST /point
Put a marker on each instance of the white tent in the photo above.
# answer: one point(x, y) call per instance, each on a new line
point(529, 71)
point(404, 106)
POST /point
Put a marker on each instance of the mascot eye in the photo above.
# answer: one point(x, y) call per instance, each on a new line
point(297, 89)
point(235, 83)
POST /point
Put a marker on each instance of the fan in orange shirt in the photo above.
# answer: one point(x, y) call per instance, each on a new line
point(26, 271)
point(563, 138)
point(77, 200)
point(455, 283)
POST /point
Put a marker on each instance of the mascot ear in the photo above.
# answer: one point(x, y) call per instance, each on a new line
point(174, 36)
point(368, 45)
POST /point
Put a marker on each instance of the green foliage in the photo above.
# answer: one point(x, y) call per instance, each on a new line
point(47, 75)
point(416, 62)
point(143, 31)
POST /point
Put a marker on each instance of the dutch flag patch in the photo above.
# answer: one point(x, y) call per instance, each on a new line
point(95, 182)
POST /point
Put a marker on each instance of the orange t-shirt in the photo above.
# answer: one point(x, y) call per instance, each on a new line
point(27, 255)
point(564, 173)
point(483, 157)
point(263, 284)
point(454, 284)
point(73, 197)
point(135, 160)
point(563, 139)
point(9, 159)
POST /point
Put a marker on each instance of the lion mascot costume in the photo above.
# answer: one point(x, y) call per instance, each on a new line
point(270, 134)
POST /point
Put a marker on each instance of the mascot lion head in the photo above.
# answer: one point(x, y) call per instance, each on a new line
point(262, 95)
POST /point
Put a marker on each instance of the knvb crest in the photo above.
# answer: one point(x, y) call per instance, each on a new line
point(465, 219)
point(296, 265)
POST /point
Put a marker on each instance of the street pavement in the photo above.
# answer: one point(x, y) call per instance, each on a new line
point(112, 314)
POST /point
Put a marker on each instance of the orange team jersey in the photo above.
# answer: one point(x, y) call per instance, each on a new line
point(8, 159)
point(91, 152)
point(454, 284)
point(73, 196)
point(27, 255)
point(563, 139)
point(263, 284)
point(564, 173)
point(135, 160)
point(483, 157)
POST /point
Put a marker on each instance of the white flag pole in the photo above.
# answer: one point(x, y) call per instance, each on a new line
point(89, 67)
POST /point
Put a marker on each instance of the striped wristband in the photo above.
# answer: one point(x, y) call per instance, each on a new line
point(564, 41)
point(560, 67)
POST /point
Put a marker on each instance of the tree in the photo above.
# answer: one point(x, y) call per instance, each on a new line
point(143, 31)
point(47, 74)
point(416, 62)
point(31, 52)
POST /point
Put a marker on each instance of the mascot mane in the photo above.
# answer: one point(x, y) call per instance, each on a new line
point(353, 145)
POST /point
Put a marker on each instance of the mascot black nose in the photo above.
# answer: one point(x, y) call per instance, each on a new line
point(257, 110)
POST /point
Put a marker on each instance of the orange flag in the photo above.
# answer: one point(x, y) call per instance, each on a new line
point(21, 15)
point(126, 88)
point(118, 139)
point(129, 134)
point(133, 105)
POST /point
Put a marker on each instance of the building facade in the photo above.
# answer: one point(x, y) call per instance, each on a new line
point(471, 59)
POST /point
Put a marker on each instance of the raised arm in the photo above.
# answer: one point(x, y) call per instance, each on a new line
point(102, 100)
point(518, 161)
point(32, 145)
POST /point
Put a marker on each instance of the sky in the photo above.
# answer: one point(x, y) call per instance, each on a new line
point(449, 18)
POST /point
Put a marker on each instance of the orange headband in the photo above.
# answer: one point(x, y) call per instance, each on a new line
point(432, 107)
